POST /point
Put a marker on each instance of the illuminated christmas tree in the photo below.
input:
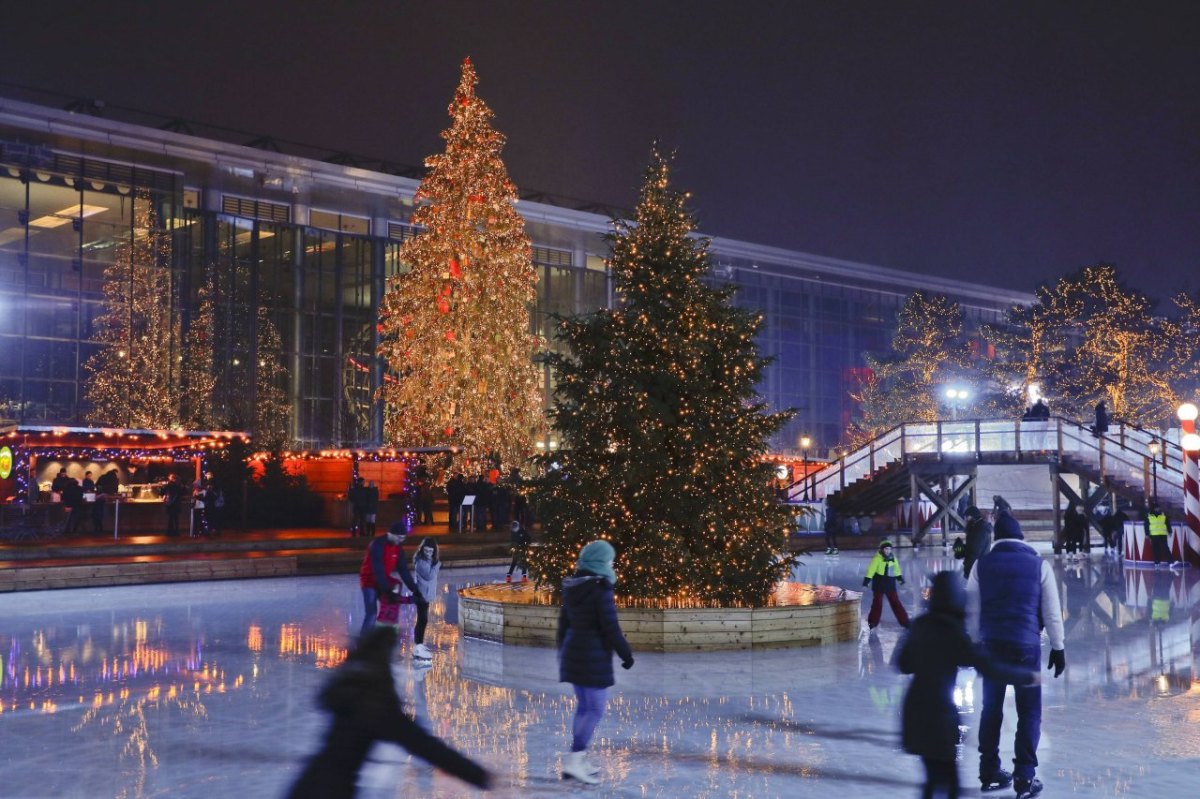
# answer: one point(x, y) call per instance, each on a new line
point(928, 352)
point(455, 330)
point(134, 377)
point(199, 380)
point(272, 410)
point(662, 430)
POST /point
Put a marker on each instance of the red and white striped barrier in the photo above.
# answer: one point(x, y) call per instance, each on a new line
point(1182, 542)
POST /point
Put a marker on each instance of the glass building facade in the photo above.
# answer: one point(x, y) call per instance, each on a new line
point(309, 245)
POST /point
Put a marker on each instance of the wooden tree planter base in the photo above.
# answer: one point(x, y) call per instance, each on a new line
point(800, 615)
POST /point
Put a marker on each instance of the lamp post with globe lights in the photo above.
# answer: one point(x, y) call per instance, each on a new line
point(805, 443)
point(1155, 449)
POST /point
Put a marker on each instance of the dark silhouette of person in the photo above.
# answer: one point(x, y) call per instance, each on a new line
point(361, 697)
point(456, 489)
point(1101, 425)
point(172, 493)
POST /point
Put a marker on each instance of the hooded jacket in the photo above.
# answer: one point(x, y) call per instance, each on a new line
point(933, 651)
point(883, 572)
point(588, 631)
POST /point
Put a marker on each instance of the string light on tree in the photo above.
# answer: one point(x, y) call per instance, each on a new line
point(455, 329)
point(661, 430)
point(133, 380)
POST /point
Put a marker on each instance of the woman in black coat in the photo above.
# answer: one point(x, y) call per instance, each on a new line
point(934, 649)
point(588, 635)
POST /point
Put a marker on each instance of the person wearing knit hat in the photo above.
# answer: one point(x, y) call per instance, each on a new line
point(883, 572)
point(933, 652)
point(1011, 596)
point(588, 635)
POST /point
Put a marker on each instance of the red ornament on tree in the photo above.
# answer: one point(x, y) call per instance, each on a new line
point(449, 335)
point(443, 305)
point(455, 269)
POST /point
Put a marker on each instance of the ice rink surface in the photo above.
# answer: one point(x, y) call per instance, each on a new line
point(201, 690)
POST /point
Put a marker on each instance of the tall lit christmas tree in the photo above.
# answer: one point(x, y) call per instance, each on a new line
point(199, 380)
point(134, 377)
point(661, 427)
point(272, 411)
point(455, 330)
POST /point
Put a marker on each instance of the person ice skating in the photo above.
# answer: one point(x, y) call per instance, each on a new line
point(883, 572)
point(520, 552)
point(1113, 529)
point(361, 696)
point(588, 635)
point(933, 651)
point(832, 523)
point(427, 564)
point(1011, 595)
point(979, 538)
point(1075, 530)
point(383, 571)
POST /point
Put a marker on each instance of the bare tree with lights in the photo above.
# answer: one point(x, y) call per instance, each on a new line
point(455, 330)
point(134, 377)
point(272, 410)
point(661, 427)
point(928, 350)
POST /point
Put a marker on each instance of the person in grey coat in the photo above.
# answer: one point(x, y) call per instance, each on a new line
point(588, 635)
point(427, 564)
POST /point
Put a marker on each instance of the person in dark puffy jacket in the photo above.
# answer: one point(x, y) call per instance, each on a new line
point(933, 651)
point(588, 635)
point(979, 538)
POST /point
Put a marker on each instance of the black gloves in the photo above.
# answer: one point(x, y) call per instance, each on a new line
point(866, 581)
point(1058, 661)
point(627, 663)
point(900, 580)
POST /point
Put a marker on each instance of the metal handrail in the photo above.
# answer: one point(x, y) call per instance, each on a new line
point(1123, 451)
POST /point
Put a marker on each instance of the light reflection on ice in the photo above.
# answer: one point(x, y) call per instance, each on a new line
point(206, 689)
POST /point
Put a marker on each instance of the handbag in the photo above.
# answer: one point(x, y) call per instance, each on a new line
point(388, 614)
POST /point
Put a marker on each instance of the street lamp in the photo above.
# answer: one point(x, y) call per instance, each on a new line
point(805, 443)
point(1155, 448)
point(955, 395)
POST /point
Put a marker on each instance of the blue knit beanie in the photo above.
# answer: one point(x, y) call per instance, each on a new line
point(1007, 527)
point(597, 558)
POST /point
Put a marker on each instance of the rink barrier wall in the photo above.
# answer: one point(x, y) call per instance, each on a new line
point(110, 574)
point(516, 615)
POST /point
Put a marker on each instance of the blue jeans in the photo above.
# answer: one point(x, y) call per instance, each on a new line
point(589, 709)
point(370, 609)
point(1029, 713)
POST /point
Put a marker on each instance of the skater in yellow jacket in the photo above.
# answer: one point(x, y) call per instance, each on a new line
point(882, 575)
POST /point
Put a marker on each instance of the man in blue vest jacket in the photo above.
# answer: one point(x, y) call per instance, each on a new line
point(1011, 595)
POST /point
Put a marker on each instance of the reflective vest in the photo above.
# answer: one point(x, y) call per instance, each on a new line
point(1157, 523)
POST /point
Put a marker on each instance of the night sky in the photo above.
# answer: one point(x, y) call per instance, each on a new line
point(1005, 143)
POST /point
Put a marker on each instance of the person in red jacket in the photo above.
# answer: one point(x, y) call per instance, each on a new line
point(384, 568)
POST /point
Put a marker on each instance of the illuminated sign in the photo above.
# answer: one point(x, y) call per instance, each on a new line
point(5, 462)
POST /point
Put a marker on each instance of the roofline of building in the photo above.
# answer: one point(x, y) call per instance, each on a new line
point(173, 144)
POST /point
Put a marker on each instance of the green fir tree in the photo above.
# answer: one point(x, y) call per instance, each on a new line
point(661, 427)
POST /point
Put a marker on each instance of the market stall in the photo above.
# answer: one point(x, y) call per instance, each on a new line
point(132, 464)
